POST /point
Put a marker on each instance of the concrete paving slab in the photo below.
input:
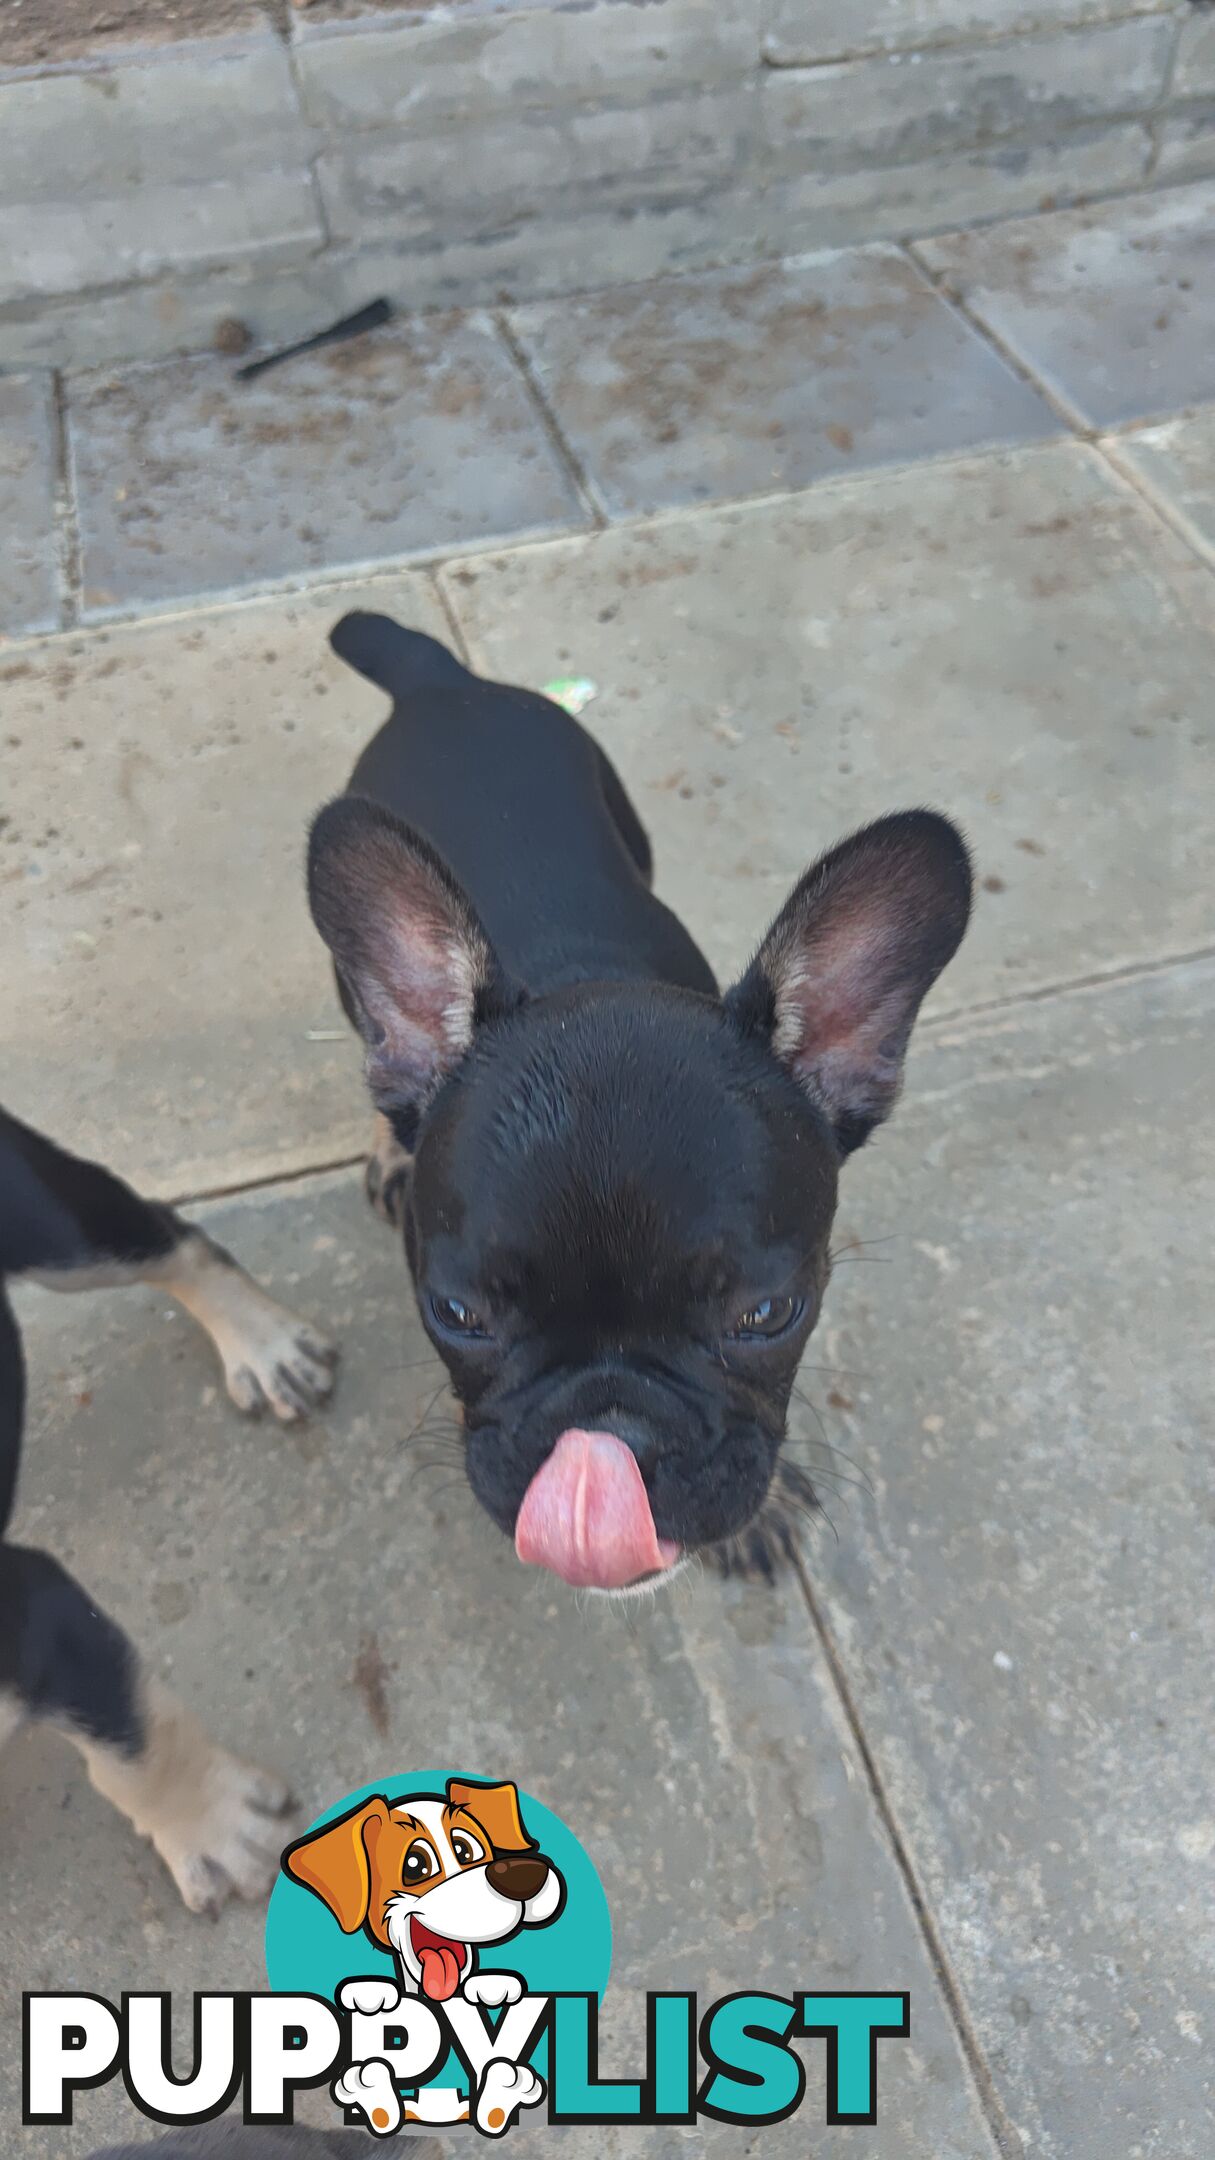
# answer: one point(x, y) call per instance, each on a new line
point(418, 438)
point(482, 62)
point(1113, 307)
point(194, 155)
point(744, 382)
point(427, 185)
point(1015, 639)
point(1195, 76)
point(29, 584)
point(167, 1001)
point(874, 112)
point(998, 179)
point(1187, 143)
point(1024, 1608)
point(697, 1749)
point(798, 32)
point(1178, 460)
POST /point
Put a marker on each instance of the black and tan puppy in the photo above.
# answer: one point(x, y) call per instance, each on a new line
point(72, 1225)
point(616, 1185)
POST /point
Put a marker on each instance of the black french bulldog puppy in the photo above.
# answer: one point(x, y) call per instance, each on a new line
point(616, 1185)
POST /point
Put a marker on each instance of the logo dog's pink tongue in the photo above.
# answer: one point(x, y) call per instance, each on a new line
point(586, 1515)
point(440, 1971)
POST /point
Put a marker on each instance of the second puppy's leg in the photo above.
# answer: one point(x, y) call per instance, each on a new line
point(216, 1822)
point(271, 1359)
point(386, 1178)
point(78, 1227)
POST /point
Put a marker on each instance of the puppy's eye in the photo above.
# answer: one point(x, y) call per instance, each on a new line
point(772, 1316)
point(453, 1317)
point(466, 1849)
point(419, 1863)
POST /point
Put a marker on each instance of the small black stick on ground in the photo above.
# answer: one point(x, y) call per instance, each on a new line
point(350, 326)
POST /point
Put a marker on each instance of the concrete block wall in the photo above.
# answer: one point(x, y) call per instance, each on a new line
point(299, 161)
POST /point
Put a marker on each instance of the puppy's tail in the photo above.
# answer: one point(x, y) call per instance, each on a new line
point(398, 660)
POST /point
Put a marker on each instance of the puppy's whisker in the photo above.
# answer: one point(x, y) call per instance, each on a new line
point(833, 1454)
point(417, 1427)
point(437, 1430)
point(858, 1244)
point(812, 1407)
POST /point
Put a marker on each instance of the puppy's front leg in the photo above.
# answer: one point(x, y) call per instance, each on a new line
point(215, 1821)
point(270, 1358)
point(386, 1178)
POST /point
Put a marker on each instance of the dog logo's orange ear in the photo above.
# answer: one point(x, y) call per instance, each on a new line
point(335, 1862)
point(496, 1808)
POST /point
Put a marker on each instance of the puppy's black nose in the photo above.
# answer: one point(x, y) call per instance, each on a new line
point(518, 1877)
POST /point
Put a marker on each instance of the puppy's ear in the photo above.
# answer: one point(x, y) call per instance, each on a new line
point(496, 1808)
point(414, 961)
point(837, 982)
point(335, 1862)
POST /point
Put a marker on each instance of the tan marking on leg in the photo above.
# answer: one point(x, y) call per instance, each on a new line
point(12, 1714)
point(386, 1180)
point(216, 1822)
point(270, 1358)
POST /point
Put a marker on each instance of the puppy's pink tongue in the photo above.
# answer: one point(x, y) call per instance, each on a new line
point(440, 1971)
point(586, 1515)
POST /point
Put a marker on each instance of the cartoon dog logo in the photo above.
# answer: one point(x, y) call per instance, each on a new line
point(434, 1879)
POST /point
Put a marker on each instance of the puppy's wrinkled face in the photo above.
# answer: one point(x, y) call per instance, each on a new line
point(618, 1228)
point(623, 1193)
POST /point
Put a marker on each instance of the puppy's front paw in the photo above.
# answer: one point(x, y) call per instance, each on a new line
point(217, 1823)
point(369, 2087)
point(272, 1361)
point(505, 2088)
point(369, 1998)
point(386, 1184)
point(492, 1988)
point(225, 1840)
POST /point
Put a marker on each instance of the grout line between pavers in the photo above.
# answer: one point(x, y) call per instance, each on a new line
point(1102, 443)
point(1071, 416)
point(261, 1181)
point(299, 584)
point(67, 516)
point(1067, 986)
point(998, 2120)
point(1160, 111)
point(1107, 450)
point(584, 487)
point(316, 139)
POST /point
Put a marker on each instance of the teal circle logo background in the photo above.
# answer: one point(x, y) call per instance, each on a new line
point(307, 1953)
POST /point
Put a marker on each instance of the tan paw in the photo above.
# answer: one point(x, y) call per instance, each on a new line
point(230, 1844)
point(272, 1361)
point(386, 1178)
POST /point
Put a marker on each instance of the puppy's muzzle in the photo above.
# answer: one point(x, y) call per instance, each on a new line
point(518, 1876)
